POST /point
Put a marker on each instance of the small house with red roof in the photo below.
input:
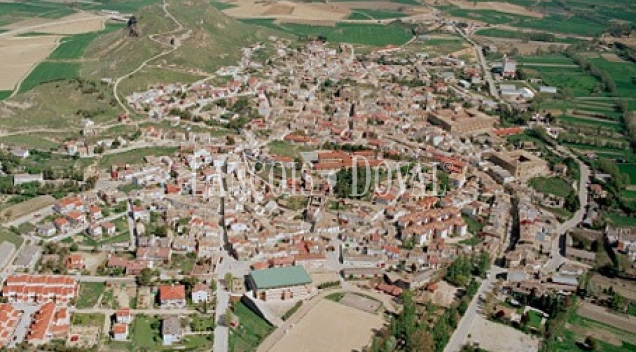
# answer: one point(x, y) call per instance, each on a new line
point(172, 296)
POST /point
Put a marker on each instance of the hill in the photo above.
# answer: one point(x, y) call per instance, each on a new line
point(214, 40)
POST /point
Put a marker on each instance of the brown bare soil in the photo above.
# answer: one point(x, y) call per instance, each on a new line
point(21, 209)
point(594, 312)
point(330, 326)
point(18, 55)
point(525, 48)
point(612, 57)
point(497, 6)
point(598, 334)
point(279, 9)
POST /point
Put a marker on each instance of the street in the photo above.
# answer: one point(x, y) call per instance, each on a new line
point(460, 334)
point(557, 259)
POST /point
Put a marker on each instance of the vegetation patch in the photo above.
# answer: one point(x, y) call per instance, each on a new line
point(135, 156)
point(551, 185)
point(28, 141)
point(7, 235)
point(88, 319)
point(89, 294)
point(251, 330)
point(145, 332)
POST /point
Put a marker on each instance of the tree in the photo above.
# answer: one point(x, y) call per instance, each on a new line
point(423, 341)
point(161, 231)
point(145, 277)
point(74, 247)
point(591, 343)
point(229, 317)
point(228, 278)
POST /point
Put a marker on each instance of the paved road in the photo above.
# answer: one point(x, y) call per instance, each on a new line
point(109, 312)
point(556, 258)
point(482, 62)
point(221, 332)
point(458, 338)
point(19, 334)
point(131, 225)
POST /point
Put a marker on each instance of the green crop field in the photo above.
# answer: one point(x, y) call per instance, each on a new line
point(118, 5)
point(571, 120)
point(621, 72)
point(487, 16)
point(365, 34)
point(33, 9)
point(222, 5)
point(364, 14)
point(503, 33)
point(552, 59)
point(629, 169)
point(49, 72)
point(73, 47)
point(4, 94)
point(620, 220)
point(562, 24)
point(575, 79)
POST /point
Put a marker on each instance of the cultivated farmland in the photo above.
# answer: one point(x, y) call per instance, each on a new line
point(49, 72)
point(361, 14)
point(73, 47)
point(365, 34)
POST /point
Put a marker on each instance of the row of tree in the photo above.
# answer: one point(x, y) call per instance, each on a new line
point(607, 82)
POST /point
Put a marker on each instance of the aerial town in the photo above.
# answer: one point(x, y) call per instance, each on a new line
point(316, 196)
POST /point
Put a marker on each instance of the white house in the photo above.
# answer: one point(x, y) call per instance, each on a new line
point(201, 293)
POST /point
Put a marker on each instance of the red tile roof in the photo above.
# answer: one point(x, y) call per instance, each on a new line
point(173, 292)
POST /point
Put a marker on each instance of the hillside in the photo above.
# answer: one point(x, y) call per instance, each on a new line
point(216, 38)
point(215, 41)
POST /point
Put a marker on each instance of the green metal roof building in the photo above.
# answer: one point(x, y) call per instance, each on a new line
point(280, 277)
